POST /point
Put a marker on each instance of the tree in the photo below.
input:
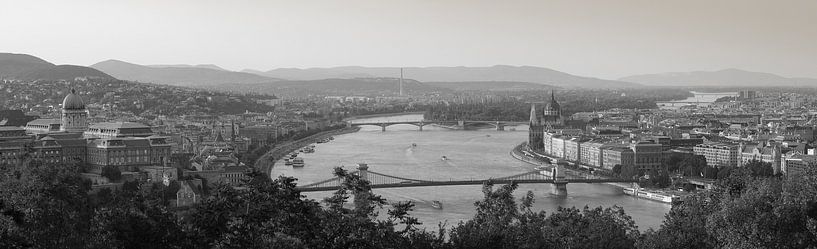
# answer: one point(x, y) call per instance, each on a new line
point(685, 225)
point(45, 205)
point(693, 165)
point(112, 173)
point(758, 168)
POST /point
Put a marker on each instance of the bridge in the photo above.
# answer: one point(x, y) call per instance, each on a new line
point(460, 124)
point(378, 180)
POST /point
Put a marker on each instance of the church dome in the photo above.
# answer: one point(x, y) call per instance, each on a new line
point(73, 101)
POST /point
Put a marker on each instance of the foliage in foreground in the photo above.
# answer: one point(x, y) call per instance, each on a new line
point(48, 206)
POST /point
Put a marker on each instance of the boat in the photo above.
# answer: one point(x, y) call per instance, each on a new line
point(413, 145)
point(298, 162)
point(309, 149)
point(655, 196)
point(287, 162)
point(437, 204)
point(293, 155)
point(444, 158)
point(331, 138)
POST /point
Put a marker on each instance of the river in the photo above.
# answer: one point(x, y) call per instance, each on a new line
point(699, 99)
point(477, 154)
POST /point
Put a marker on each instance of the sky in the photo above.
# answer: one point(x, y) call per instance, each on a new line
point(603, 38)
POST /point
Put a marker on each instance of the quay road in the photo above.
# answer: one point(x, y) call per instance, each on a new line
point(265, 162)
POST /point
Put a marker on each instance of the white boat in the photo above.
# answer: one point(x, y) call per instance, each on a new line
point(437, 204)
point(666, 198)
point(298, 162)
point(444, 158)
point(287, 162)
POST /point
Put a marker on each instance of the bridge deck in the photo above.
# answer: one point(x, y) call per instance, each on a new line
point(463, 182)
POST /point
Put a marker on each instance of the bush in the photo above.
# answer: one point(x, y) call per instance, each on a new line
point(112, 173)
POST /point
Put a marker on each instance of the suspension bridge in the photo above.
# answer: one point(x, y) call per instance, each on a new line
point(553, 176)
point(499, 125)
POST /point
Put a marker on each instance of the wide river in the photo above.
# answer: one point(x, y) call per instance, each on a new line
point(472, 154)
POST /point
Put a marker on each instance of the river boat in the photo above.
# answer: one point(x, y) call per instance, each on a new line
point(437, 204)
point(413, 145)
point(298, 162)
point(651, 195)
point(287, 162)
point(308, 149)
point(293, 155)
point(444, 158)
point(331, 138)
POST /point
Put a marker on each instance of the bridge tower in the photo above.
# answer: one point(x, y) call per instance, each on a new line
point(382, 126)
point(421, 125)
point(559, 181)
point(500, 126)
point(363, 170)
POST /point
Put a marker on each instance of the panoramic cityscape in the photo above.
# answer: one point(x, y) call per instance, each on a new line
point(408, 124)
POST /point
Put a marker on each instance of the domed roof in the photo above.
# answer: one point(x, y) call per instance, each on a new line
point(73, 101)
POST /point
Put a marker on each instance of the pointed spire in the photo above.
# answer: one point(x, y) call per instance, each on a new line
point(533, 119)
point(73, 91)
point(552, 96)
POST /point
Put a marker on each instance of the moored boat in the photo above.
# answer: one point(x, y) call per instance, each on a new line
point(298, 162)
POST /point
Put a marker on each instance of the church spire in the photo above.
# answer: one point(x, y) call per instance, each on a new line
point(533, 119)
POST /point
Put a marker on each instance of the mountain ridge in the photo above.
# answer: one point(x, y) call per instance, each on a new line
point(730, 77)
point(498, 73)
point(186, 76)
point(29, 67)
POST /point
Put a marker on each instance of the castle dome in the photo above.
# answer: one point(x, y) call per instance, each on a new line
point(73, 102)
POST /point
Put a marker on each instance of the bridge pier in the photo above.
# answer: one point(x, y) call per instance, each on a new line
point(559, 189)
point(363, 170)
point(559, 181)
point(421, 126)
point(382, 127)
point(500, 126)
point(461, 124)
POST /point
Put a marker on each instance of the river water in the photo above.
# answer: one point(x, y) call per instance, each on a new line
point(472, 154)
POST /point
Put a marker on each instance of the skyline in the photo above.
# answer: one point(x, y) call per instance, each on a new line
point(604, 40)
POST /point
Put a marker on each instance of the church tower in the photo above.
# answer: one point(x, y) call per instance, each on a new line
point(552, 113)
point(536, 130)
point(74, 115)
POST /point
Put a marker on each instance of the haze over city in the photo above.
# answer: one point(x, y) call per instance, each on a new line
point(440, 124)
point(605, 39)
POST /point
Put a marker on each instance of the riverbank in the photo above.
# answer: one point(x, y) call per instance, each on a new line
point(266, 162)
point(655, 195)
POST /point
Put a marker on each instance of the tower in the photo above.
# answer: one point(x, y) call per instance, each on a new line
point(74, 115)
point(536, 130)
point(553, 113)
point(401, 81)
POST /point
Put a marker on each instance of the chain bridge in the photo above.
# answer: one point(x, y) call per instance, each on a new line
point(379, 180)
point(461, 124)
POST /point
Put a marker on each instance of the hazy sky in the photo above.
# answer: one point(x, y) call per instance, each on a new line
point(603, 38)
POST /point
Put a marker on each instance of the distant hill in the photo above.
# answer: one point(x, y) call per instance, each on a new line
point(66, 72)
point(27, 67)
point(208, 66)
point(722, 78)
point(357, 86)
point(491, 85)
point(316, 73)
point(452, 74)
point(187, 76)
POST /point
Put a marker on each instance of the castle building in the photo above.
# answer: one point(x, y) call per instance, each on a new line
point(74, 115)
point(126, 145)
